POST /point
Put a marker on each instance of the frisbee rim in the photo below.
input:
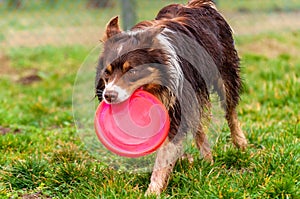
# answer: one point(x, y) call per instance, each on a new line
point(111, 146)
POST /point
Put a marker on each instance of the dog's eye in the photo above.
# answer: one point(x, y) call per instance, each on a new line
point(106, 74)
point(132, 71)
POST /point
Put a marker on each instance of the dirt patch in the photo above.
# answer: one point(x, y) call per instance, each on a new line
point(37, 195)
point(6, 70)
point(254, 23)
point(5, 67)
point(57, 36)
point(5, 130)
point(25, 77)
point(29, 79)
point(270, 48)
point(29, 76)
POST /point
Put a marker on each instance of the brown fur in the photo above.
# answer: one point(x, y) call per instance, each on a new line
point(134, 60)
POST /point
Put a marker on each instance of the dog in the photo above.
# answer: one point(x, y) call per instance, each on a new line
point(159, 56)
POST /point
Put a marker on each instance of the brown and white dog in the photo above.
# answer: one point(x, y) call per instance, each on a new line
point(178, 57)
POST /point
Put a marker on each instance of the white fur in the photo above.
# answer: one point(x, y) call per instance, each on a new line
point(120, 48)
point(134, 32)
point(109, 85)
point(122, 93)
point(176, 71)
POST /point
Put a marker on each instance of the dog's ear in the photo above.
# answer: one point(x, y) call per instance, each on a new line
point(112, 28)
point(153, 32)
point(149, 35)
point(152, 38)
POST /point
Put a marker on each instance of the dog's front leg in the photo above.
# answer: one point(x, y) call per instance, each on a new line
point(166, 158)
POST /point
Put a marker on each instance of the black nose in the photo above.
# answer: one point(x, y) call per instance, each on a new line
point(110, 96)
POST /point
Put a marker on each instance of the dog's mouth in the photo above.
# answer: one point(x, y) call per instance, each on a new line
point(117, 97)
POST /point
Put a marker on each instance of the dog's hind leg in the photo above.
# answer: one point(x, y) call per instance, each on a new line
point(237, 135)
point(166, 158)
point(205, 116)
point(229, 96)
point(203, 144)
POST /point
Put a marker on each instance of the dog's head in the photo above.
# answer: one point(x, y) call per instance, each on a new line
point(130, 60)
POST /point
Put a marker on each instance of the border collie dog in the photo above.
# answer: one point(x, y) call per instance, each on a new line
point(185, 52)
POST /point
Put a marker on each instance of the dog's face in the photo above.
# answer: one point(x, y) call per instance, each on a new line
point(128, 62)
point(128, 73)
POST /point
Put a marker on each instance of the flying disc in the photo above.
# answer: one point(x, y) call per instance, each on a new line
point(133, 128)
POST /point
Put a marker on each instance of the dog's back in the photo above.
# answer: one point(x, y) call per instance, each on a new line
point(201, 21)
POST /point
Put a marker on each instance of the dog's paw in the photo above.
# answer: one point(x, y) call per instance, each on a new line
point(153, 190)
point(240, 141)
point(208, 158)
point(188, 157)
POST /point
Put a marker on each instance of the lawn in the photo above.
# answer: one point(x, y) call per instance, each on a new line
point(41, 155)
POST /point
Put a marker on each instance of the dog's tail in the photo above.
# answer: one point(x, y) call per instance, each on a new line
point(200, 3)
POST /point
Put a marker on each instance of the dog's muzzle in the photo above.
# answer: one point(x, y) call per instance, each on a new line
point(110, 96)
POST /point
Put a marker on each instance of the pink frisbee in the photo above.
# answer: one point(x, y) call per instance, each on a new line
point(133, 128)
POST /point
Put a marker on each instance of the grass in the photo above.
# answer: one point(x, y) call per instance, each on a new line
point(42, 156)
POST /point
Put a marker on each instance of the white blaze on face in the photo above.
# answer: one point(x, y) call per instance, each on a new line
point(110, 84)
point(122, 93)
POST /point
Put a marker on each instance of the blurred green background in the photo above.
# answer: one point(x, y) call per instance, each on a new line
point(42, 46)
point(62, 22)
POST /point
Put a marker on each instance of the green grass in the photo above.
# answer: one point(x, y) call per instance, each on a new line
point(43, 156)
